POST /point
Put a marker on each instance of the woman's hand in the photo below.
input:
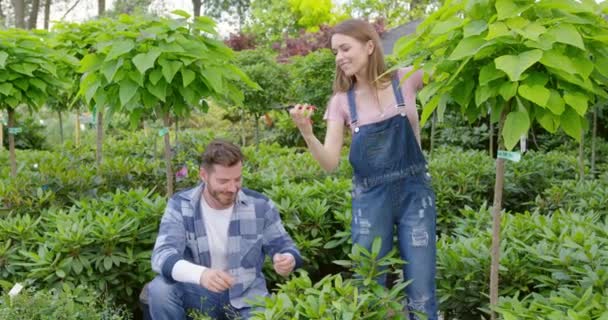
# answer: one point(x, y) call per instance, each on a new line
point(301, 114)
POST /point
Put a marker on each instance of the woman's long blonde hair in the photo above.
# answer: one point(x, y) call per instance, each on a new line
point(363, 32)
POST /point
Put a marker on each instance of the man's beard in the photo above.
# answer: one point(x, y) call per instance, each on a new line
point(224, 198)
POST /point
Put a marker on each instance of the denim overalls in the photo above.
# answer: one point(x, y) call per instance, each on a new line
point(391, 187)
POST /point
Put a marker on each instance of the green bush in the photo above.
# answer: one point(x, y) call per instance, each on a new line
point(103, 243)
point(581, 197)
point(67, 303)
point(540, 253)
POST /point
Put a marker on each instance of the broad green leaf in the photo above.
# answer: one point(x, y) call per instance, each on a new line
point(506, 9)
point(159, 90)
point(170, 68)
point(475, 28)
point(119, 48)
point(463, 90)
point(137, 77)
point(516, 125)
point(90, 62)
point(556, 104)
point(3, 57)
point(570, 121)
point(537, 78)
point(181, 13)
point(601, 64)
point(187, 77)
point(6, 88)
point(556, 59)
point(496, 30)
point(489, 73)
point(22, 84)
point(447, 25)
point(468, 47)
point(515, 65)
point(548, 120)
point(24, 68)
point(38, 84)
point(128, 89)
point(483, 93)
point(578, 101)
point(567, 33)
point(109, 69)
point(428, 109)
point(145, 61)
point(214, 78)
point(155, 75)
point(517, 23)
point(535, 93)
point(508, 90)
point(531, 31)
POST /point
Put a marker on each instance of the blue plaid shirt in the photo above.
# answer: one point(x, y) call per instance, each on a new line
point(255, 230)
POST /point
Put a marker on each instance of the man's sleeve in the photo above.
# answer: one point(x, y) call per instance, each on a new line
point(170, 242)
point(276, 239)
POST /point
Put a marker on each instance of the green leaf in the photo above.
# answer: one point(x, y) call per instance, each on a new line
point(532, 31)
point(181, 13)
point(109, 69)
point(556, 104)
point(570, 121)
point(90, 62)
point(496, 30)
point(128, 89)
point(3, 57)
point(548, 120)
point(214, 78)
point(508, 90)
point(24, 68)
point(119, 48)
point(535, 93)
point(462, 91)
point(442, 27)
point(155, 75)
point(159, 90)
point(516, 125)
point(483, 93)
point(428, 109)
point(567, 33)
point(514, 66)
point(170, 68)
point(468, 47)
point(38, 84)
point(506, 9)
point(60, 273)
point(475, 28)
point(6, 88)
point(145, 61)
point(489, 73)
point(556, 59)
point(578, 101)
point(187, 77)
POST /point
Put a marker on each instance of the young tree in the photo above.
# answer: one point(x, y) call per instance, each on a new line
point(521, 61)
point(160, 65)
point(28, 76)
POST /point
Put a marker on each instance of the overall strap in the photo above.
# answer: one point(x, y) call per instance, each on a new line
point(351, 105)
point(397, 91)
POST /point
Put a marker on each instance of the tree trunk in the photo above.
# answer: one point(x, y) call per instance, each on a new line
point(433, 127)
point(77, 129)
point(491, 136)
point(11, 143)
point(47, 13)
point(33, 20)
point(101, 7)
point(176, 130)
point(581, 157)
point(593, 138)
point(196, 6)
point(99, 153)
point(168, 157)
point(1, 135)
point(19, 7)
point(257, 131)
point(496, 209)
point(60, 126)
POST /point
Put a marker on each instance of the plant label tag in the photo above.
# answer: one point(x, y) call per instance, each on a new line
point(14, 131)
point(163, 132)
point(508, 155)
point(15, 290)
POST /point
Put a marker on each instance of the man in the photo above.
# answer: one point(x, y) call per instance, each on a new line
point(212, 243)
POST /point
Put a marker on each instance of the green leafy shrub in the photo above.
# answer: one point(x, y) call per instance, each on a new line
point(67, 303)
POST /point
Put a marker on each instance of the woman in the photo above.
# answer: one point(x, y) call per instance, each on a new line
point(391, 185)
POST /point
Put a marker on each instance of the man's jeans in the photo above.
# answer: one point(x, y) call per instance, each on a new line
point(174, 301)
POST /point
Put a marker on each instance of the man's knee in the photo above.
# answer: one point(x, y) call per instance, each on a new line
point(160, 291)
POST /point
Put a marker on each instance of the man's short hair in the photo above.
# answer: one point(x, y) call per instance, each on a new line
point(221, 152)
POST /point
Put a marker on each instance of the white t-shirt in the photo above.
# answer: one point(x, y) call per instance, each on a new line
point(216, 227)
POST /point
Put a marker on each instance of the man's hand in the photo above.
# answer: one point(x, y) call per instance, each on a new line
point(283, 263)
point(216, 280)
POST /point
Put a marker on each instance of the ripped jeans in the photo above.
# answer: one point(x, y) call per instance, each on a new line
point(409, 205)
